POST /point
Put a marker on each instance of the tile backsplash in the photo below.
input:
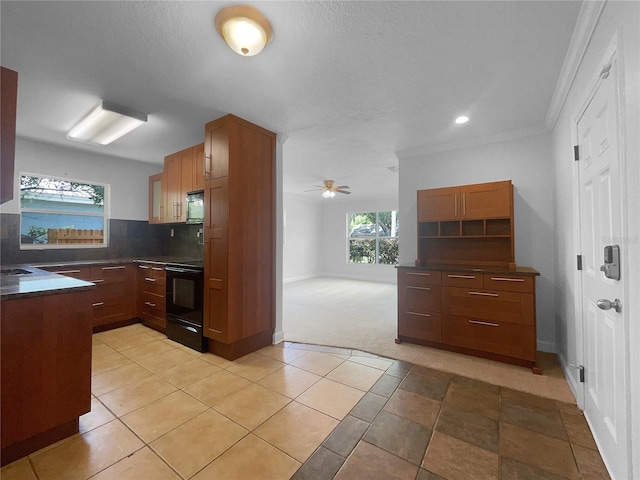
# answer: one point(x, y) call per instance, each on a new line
point(127, 239)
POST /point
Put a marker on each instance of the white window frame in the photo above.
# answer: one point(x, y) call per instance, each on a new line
point(375, 237)
point(66, 246)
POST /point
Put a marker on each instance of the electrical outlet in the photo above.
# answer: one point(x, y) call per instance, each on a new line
point(173, 233)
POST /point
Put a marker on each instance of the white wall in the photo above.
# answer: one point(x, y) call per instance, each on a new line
point(334, 260)
point(623, 19)
point(302, 238)
point(129, 179)
point(527, 162)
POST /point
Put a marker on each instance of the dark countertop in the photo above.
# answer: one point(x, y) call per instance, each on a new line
point(37, 283)
point(40, 282)
point(465, 268)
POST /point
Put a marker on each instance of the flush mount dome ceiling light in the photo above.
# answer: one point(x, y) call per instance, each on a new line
point(462, 119)
point(244, 29)
point(106, 123)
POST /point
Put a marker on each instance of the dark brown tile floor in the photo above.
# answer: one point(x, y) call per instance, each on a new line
point(418, 423)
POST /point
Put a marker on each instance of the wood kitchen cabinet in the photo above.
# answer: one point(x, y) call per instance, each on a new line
point(486, 314)
point(183, 173)
point(151, 295)
point(112, 301)
point(8, 106)
point(467, 225)
point(46, 370)
point(239, 236)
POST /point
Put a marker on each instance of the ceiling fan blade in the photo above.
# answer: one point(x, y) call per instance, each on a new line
point(315, 189)
point(343, 191)
point(343, 186)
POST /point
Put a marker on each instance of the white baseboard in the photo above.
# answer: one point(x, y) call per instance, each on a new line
point(278, 337)
point(297, 279)
point(357, 277)
point(546, 346)
point(569, 375)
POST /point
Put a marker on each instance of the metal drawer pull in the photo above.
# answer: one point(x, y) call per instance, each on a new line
point(157, 268)
point(98, 304)
point(149, 279)
point(461, 276)
point(484, 294)
point(421, 314)
point(420, 288)
point(60, 272)
point(422, 274)
point(489, 324)
point(143, 266)
point(150, 304)
point(97, 281)
point(501, 279)
point(120, 267)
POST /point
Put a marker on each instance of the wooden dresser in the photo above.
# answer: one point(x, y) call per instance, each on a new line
point(464, 292)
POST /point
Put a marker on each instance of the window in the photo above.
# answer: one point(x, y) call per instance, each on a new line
point(373, 237)
point(62, 213)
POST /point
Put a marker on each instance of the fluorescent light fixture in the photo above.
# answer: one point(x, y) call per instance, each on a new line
point(244, 29)
point(106, 123)
point(462, 119)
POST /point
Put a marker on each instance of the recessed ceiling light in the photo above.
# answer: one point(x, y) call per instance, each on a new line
point(462, 119)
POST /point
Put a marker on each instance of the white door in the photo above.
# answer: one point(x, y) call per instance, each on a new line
point(601, 223)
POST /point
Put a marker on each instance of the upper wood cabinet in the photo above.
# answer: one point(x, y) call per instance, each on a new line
point(157, 198)
point(9, 81)
point(183, 173)
point(477, 201)
point(466, 225)
point(239, 236)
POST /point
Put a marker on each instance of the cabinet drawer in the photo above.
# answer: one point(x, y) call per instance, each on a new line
point(421, 326)
point(151, 303)
point(491, 305)
point(111, 273)
point(512, 283)
point(419, 278)
point(490, 336)
point(462, 279)
point(148, 285)
point(104, 313)
point(82, 273)
point(421, 299)
point(152, 273)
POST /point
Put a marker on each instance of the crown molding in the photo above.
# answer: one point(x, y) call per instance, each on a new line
point(588, 17)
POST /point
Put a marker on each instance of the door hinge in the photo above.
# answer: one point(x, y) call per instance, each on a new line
point(576, 153)
point(580, 368)
point(579, 261)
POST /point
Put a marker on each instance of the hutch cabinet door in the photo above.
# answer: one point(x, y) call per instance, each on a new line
point(486, 200)
point(439, 204)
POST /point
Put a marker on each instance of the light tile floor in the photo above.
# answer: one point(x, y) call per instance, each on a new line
point(163, 411)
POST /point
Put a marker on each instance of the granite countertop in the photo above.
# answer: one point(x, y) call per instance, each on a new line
point(38, 282)
point(464, 268)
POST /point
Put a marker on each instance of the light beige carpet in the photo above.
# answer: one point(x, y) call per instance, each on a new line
point(362, 315)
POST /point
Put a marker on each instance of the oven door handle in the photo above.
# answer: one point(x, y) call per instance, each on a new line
point(181, 270)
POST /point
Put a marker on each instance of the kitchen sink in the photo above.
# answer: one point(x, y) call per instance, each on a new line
point(14, 271)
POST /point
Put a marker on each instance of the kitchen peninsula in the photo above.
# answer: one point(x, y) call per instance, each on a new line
point(46, 358)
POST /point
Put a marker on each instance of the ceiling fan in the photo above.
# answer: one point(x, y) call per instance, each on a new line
point(330, 189)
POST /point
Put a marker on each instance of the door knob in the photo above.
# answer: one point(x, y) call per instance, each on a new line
point(605, 304)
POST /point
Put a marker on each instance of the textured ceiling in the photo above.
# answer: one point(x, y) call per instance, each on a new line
point(349, 84)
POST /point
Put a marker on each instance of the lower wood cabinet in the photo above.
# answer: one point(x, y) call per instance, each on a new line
point(487, 314)
point(151, 295)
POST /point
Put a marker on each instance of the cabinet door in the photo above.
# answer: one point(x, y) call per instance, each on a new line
point(198, 167)
point(156, 198)
point(486, 200)
point(216, 149)
point(438, 204)
point(173, 176)
point(186, 165)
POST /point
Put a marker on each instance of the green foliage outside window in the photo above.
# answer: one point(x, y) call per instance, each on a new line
point(373, 237)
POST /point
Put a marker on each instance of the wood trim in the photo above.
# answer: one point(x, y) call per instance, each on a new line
point(21, 449)
point(233, 351)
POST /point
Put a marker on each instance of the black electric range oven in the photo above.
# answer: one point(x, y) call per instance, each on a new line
point(184, 304)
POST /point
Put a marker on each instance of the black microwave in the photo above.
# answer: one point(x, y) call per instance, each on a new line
point(195, 207)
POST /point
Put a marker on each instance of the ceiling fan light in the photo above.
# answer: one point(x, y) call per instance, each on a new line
point(244, 28)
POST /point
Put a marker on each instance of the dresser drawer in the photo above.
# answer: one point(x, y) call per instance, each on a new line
point(421, 299)
point(494, 305)
point(421, 326)
point(418, 278)
point(501, 338)
point(462, 279)
point(512, 283)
